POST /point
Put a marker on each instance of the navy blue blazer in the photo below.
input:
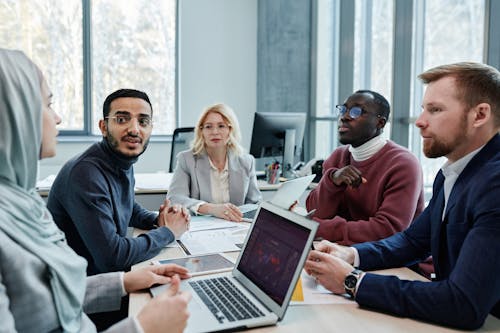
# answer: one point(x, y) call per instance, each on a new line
point(465, 247)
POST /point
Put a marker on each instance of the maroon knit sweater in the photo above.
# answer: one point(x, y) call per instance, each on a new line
point(387, 203)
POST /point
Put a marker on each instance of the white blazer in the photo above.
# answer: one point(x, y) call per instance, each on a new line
point(191, 181)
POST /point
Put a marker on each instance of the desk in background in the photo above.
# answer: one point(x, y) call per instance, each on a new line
point(151, 189)
point(328, 318)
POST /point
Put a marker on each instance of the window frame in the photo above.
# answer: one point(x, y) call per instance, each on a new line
point(407, 58)
point(86, 134)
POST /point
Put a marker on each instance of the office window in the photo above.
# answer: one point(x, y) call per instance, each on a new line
point(373, 39)
point(453, 31)
point(325, 126)
point(369, 51)
point(133, 46)
point(50, 33)
point(128, 44)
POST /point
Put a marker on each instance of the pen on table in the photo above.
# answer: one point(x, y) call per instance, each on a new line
point(311, 213)
point(184, 248)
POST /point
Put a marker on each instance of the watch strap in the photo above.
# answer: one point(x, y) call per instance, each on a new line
point(351, 282)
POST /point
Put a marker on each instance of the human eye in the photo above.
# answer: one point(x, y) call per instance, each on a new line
point(144, 121)
point(122, 119)
point(434, 109)
point(207, 126)
point(222, 126)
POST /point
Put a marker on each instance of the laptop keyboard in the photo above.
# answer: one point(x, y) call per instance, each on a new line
point(225, 300)
point(250, 214)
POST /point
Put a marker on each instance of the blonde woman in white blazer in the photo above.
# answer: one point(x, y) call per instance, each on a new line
point(214, 177)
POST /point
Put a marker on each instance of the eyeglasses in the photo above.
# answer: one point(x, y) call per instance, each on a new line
point(125, 119)
point(211, 127)
point(354, 112)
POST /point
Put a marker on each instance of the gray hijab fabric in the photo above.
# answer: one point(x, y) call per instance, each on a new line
point(23, 215)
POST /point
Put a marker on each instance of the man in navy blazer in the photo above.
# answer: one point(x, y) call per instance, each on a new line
point(460, 227)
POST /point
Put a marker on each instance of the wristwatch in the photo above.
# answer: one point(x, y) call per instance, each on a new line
point(351, 281)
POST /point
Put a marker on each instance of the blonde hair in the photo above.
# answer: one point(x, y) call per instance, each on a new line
point(233, 144)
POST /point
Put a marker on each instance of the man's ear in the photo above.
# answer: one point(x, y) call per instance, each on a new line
point(103, 126)
point(482, 114)
point(381, 122)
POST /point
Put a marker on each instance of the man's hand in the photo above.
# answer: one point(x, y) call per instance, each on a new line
point(226, 211)
point(348, 175)
point(155, 274)
point(345, 253)
point(174, 217)
point(168, 310)
point(165, 204)
point(328, 270)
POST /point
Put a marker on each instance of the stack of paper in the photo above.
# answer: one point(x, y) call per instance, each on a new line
point(209, 234)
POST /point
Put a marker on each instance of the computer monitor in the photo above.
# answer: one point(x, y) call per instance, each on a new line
point(278, 135)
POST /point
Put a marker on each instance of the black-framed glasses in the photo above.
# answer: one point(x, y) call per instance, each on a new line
point(125, 119)
point(354, 112)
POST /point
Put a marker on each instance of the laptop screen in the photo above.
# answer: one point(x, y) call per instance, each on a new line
point(272, 253)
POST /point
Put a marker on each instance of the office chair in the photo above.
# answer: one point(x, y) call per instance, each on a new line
point(181, 139)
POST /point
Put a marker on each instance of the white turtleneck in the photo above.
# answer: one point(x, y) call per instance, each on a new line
point(368, 149)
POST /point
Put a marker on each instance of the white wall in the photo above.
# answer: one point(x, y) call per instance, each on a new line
point(218, 59)
point(218, 63)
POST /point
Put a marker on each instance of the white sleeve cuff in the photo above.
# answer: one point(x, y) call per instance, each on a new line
point(356, 258)
point(194, 208)
point(137, 325)
point(358, 283)
point(122, 275)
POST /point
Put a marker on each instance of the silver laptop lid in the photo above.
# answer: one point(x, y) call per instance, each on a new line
point(274, 254)
point(290, 191)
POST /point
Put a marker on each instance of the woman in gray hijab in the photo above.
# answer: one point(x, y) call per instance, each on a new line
point(43, 284)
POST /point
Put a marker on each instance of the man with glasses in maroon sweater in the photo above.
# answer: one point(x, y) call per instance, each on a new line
point(371, 187)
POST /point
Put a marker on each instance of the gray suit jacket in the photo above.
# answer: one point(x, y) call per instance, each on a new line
point(26, 302)
point(191, 182)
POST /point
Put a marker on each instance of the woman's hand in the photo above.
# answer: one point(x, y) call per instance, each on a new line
point(167, 311)
point(226, 211)
point(155, 274)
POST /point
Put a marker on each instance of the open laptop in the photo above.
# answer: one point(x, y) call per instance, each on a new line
point(289, 192)
point(258, 290)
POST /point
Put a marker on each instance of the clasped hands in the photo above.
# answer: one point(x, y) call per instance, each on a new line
point(174, 217)
point(329, 264)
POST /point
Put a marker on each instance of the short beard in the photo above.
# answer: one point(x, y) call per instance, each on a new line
point(439, 149)
point(114, 144)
